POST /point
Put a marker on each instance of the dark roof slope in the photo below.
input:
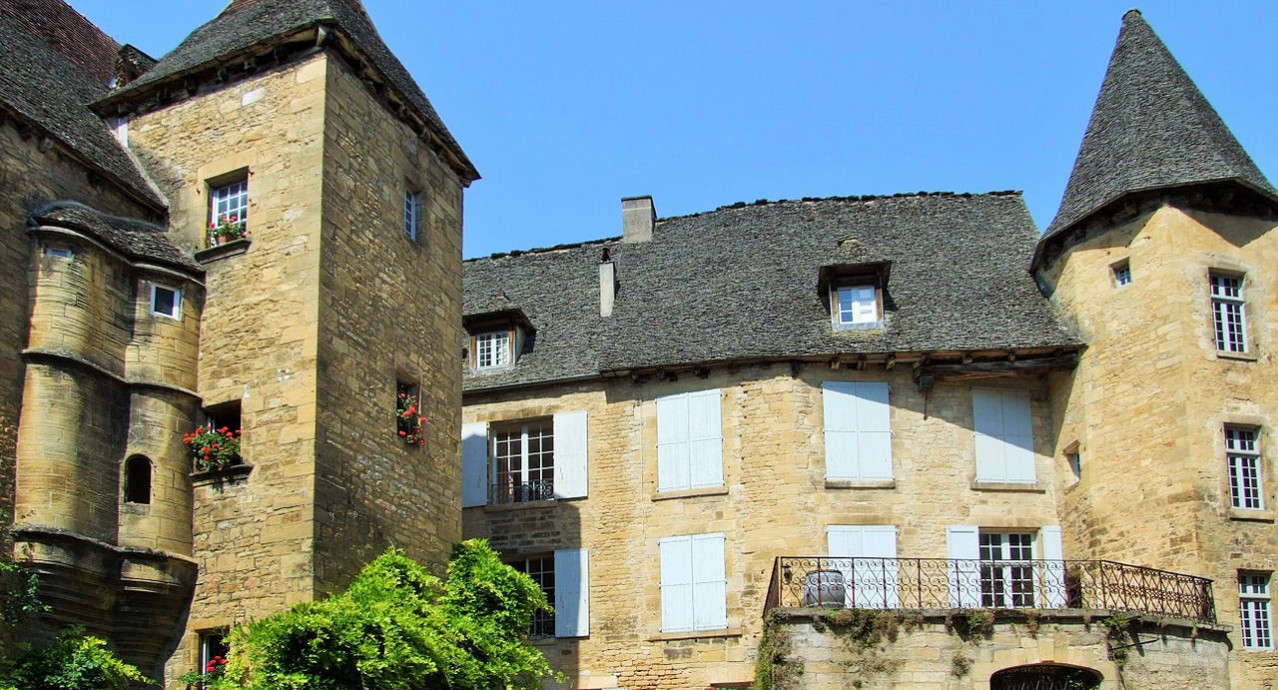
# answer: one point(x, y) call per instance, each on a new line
point(244, 24)
point(1151, 128)
point(42, 86)
point(742, 283)
point(67, 32)
point(131, 237)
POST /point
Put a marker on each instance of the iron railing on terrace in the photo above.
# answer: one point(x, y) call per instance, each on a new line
point(940, 583)
point(510, 492)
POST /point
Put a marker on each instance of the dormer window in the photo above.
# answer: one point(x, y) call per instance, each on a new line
point(492, 350)
point(854, 305)
point(855, 294)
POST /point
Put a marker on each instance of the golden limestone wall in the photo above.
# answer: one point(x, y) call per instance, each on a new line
point(774, 502)
point(390, 311)
point(928, 653)
point(1150, 397)
point(31, 174)
point(253, 534)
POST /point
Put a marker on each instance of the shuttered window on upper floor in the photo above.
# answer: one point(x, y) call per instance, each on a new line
point(858, 433)
point(689, 440)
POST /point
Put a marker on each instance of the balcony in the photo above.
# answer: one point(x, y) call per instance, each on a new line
point(939, 583)
point(506, 492)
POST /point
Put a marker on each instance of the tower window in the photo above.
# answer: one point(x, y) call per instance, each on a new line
point(1122, 273)
point(166, 301)
point(1228, 315)
point(137, 480)
point(1254, 611)
point(412, 212)
point(1242, 452)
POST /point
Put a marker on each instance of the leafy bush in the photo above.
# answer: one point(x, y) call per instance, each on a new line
point(73, 661)
point(399, 628)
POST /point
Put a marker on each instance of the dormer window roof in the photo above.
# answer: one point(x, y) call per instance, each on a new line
point(854, 294)
point(497, 337)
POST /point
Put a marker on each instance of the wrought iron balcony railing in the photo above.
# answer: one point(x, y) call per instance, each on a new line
point(509, 492)
point(939, 583)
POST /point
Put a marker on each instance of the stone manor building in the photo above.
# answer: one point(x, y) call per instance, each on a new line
point(904, 441)
point(878, 442)
point(127, 324)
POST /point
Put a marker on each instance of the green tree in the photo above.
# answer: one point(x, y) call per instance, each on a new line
point(400, 628)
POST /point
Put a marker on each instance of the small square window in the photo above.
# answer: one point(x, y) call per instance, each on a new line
point(1122, 274)
point(166, 301)
point(59, 252)
point(854, 305)
point(412, 210)
point(492, 350)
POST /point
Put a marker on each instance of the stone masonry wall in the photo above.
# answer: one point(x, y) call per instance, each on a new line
point(774, 502)
point(914, 652)
point(253, 534)
point(30, 176)
point(390, 310)
point(1149, 399)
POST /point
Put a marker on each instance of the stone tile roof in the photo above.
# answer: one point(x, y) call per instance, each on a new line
point(246, 24)
point(131, 237)
point(741, 282)
point(44, 87)
point(69, 33)
point(1151, 128)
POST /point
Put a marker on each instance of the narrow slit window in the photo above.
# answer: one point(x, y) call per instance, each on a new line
point(412, 212)
point(137, 480)
point(1122, 274)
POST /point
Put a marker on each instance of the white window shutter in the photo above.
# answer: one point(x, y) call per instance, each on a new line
point(705, 433)
point(709, 583)
point(874, 437)
point(572, 593)
point(963, 548)
point(570, 455)
point(672, 443)
point(676, 584)
point(864, 307)
point(871, 571)
point(1018, 436)
point(841, 445)
point(987, 420)
point(1053, 552)
point(474, 464)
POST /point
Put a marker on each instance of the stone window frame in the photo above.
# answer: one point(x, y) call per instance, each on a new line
point(210, 643)
point(412, 214)
point(1229, 312)
point(1244, 456)
point(138, 473)
point(1255, 610)
point(1121, 272)
point(176, 312)
point(223, 188)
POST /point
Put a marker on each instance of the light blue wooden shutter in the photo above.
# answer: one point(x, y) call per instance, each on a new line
point(676, 584)
point(705, 435)
point(672, 443)
point(709, 583)
point(987, 420)
point(1018, 434)
point(570, 455)
point(963, 548)
point(874, 430)
point(871, 571)
point(474, 464)
point(572, 593)
point(841, 447)
point(1053, 569)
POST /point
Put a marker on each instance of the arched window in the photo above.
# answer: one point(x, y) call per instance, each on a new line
point(137, 480)
point(1045, 677)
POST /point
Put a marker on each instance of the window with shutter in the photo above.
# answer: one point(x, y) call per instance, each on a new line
point(693, 583)
point(689, 441)
point(858, 434)
point(1004, 436)
point(870, 568)
point(853, 306)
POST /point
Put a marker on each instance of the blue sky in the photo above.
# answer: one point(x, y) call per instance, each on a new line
point(565, 107)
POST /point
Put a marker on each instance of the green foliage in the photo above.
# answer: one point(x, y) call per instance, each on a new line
point(18, 592)
point(73, 661)
point(399, 628)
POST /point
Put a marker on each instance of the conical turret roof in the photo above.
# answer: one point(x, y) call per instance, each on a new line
point(248, 24)
point(1151, 129)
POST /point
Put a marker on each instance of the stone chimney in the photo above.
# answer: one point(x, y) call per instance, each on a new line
point(638, 216)
point(607, 283)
